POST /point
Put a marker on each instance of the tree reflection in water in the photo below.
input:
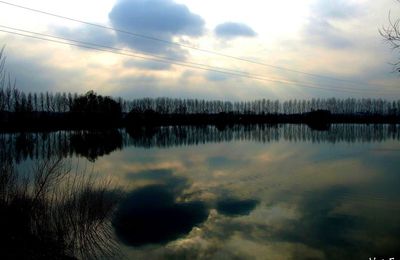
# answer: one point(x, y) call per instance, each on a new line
point(169, 136)
point(55, 213)
point(93, 144)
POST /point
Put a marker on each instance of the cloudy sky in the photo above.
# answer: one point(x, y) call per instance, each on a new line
point(266, 49)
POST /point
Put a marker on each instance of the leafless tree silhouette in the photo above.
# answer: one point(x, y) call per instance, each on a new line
point(54, 213)
point(391, 34)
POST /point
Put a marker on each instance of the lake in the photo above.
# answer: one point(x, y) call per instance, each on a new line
point(237, 192)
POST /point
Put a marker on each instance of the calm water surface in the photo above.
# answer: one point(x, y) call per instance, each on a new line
point(258, 192)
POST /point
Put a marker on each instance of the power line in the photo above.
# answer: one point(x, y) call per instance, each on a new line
point(143, 52)
point(213, 68)
point(183, 45)
point(183, 64)
point(87, 46)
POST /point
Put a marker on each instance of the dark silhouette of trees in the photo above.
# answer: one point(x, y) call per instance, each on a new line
point(70, 110)
point(391, 34)
point(14, 100)
point(20, 109)
point(91, 110)
point(66, 110)
point(6, 86)
point(96, 107)
point(91, 103)
point(169, 106)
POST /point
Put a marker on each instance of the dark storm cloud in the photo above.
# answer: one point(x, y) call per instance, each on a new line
point(162, 19)
point(231, 30)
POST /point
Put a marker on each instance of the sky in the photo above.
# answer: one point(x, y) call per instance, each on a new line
point(267, 49)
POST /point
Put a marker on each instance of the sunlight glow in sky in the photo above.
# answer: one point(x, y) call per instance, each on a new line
point(334, 38)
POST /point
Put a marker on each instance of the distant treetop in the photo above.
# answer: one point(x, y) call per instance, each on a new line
point(93, 103)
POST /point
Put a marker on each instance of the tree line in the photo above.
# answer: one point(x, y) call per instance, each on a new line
point(15, 100)
point(263, 106)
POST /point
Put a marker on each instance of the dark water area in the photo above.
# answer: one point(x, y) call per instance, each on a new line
point(187, 192)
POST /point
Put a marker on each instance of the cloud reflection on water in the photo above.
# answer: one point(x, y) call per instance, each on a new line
point(241, 195)
point(319, 201)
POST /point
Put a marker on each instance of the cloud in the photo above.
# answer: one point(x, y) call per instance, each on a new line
point(339, 9)
point(320, 29)
point(154, 19)
point(150, 215)
point(163, 19)
point(323, 226)
point(150, 174)
point(323, 33)
point(215, 76)
point(163, 177)
point(37, 74)
point(234, 207)
point(230, 30)
point(320, 221)
point(219, 161)
point(147, 65)
point(86, 34)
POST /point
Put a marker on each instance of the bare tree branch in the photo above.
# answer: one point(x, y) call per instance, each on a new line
point(391, 35)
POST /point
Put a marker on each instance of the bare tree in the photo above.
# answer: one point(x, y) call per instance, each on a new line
point(3, 81)
point(391, 34)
